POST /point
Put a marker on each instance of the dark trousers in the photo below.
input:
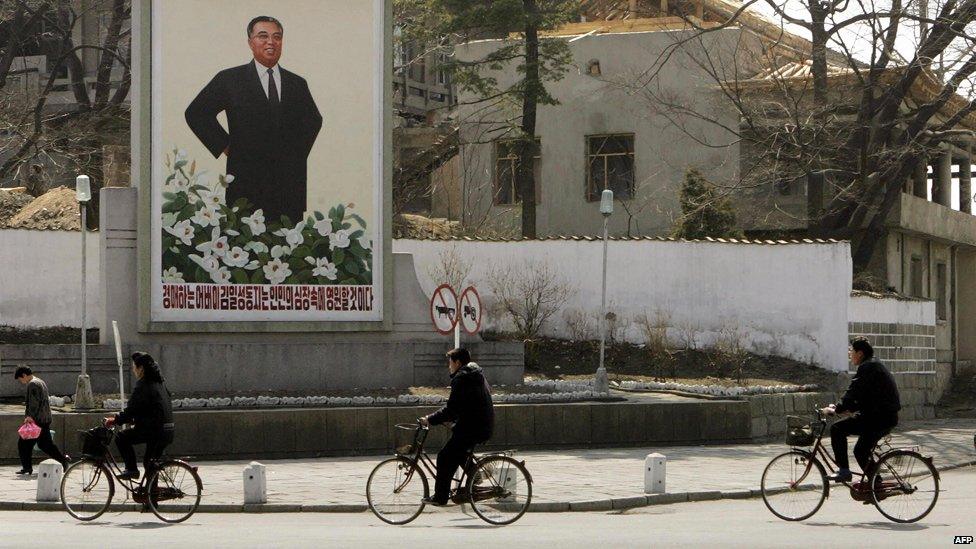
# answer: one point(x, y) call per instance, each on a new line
point(44, 442)
point(155, 443)
point(451, 456)
point(869, 430)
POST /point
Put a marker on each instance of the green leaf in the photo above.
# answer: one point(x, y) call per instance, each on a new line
point(257, 277)
point(239, 276)
point(318, 215)
point(337, 256)
point(286, 222)
point(302, 252)
point(360, 220)
point(352, 267)
point(246, 233)
point(348, 282)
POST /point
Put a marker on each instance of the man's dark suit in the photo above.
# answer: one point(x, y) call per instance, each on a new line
point(269, 144)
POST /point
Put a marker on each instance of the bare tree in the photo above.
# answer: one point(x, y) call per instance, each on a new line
point(847, 112)
point(69, 139)
point(528, 294)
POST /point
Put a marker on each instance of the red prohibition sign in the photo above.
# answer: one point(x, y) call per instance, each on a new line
point(444, 303)
point(469, 305)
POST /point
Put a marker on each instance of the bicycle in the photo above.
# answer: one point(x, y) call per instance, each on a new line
point(171, 491)
point(498, 487)
point(902, 483)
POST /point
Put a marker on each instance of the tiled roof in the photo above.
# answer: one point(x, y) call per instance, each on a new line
point(632, 239)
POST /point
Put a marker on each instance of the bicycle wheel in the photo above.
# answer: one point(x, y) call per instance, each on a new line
point(500, 489)
point(174, 491)
point(794, 485)
point(396, 489)
point(87, 489)
point(907, 486)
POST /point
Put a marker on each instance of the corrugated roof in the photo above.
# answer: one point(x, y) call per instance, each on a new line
point(633, 239)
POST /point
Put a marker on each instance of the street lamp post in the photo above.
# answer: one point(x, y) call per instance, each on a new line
point(601, 384)
point(83, 395)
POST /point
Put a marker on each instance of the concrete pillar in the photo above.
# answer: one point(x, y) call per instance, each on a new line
point(920, 180)
point(965, 181)
point(655, 467)
point(49, 474)
point(255, 483)
point(942, 188)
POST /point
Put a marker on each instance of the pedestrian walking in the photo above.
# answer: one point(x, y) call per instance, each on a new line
point(38, 411)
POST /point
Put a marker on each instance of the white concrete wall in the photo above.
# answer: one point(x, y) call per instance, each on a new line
point(40, 278)
point(892, 311)
point(787, 300)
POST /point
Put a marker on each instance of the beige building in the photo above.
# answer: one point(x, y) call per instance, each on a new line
point(606, 134)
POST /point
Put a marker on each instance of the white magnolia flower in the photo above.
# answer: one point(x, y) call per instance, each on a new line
point(256, 247)
point(206, 217)
point(276, 271)
point(229, 178)
point(220, 276)
point(214, 198)
point(232, 232)
point(324, 226)
point(180, 154)
point(255, 222)
point(339, 239)
point(217, 244)
point(183, 230)
point(323, 267)
point(172, 276)
point(178, 184)
point(279, 251)
point(294, 236)
point(365, 242)
point(237, 257)
point(254, 264)
point(208, 262)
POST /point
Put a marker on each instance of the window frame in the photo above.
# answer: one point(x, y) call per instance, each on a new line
point(512, 159)
point(594, 195)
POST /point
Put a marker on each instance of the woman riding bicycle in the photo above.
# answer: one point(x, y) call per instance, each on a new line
point(150, 410)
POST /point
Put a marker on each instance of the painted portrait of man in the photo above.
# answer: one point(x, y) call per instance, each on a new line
point(272, 124)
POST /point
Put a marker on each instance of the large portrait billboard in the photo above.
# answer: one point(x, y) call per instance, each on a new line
point(267, 160)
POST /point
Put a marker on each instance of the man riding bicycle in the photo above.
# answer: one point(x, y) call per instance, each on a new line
point(470, 408)
point(874, 396)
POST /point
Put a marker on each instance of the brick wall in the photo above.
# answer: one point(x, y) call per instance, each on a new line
point(902, 347)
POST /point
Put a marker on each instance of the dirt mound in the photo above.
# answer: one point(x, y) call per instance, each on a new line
point(11, 202)
point(418, 226)
point(55, 210)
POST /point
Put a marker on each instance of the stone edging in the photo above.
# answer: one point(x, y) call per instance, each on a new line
point(611, 504)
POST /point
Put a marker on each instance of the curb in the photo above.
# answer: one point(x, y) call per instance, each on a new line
point(589, 506)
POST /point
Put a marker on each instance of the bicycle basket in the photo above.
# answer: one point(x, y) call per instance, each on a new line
point(94, 442)
point(799, 431)
point(404, 438)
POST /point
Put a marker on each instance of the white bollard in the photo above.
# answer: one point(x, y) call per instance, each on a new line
point(255, 483)
point(49, 474)
point(655, 466)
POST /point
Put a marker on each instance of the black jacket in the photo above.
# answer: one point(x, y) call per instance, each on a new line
point(149, 408)
point(269, 145)
point(872, 392)
point(469, 406)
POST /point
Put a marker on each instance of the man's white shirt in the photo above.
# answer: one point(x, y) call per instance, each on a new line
point(263, 75)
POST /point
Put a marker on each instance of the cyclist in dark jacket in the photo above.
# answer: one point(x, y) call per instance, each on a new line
point(470, 409)
point(150, 409)
point(874, 396)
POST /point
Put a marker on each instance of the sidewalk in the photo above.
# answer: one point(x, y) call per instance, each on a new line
point(581, 480)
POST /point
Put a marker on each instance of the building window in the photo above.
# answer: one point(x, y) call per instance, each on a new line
point(610, 165)
point(916, 276)
point(506, 163)
point(443, 76)
point(418, 66)
point(941, 291)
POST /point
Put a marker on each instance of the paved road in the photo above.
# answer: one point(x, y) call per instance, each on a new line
point(730, 523)
point(569, 475)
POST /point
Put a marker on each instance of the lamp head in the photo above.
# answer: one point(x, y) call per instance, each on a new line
point(83, 188)
point(606, 202)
